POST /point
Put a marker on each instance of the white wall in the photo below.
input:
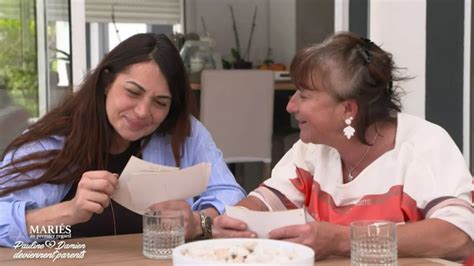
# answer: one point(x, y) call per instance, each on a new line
point(78, 42)
point(282, 30)
point(218, 20)
point(276, 28)
point(400, 28)
point(341, 15)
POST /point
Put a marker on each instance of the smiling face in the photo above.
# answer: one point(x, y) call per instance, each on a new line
point(318, 114)
point(137, 102)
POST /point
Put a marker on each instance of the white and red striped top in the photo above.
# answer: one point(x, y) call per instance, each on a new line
point(424, 176)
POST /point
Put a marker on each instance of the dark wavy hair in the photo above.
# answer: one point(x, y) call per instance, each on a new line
point(81, 118)
point(350, 67)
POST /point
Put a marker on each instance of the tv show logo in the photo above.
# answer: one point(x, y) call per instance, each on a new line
point(47, 243)
point(60, 231)
point(50, 249)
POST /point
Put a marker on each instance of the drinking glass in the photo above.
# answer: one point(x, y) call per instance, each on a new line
point(163, 230)
point(373, 243)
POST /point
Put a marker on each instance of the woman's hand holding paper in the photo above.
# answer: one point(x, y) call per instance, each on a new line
point(92, 195)
point(225, 226)
point(325, 238)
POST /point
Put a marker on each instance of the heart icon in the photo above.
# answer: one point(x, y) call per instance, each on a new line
point(50, 243)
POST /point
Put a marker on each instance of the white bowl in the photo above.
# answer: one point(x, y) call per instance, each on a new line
point(256, 251)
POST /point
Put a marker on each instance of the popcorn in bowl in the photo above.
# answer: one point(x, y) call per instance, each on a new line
point(242, 251)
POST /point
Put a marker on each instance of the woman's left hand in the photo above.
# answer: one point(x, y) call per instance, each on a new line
point(324, 238)
point(192, 220)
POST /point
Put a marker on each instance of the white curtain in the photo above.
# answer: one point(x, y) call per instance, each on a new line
point(162, 12)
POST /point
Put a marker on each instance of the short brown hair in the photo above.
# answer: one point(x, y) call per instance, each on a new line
point(351, 67)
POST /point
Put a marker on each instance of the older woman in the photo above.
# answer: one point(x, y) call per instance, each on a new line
point(359, 157)
point(64, 168)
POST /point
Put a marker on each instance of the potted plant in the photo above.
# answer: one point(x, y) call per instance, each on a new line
point(241, 61)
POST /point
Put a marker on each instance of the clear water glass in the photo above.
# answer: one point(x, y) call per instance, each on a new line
point(373, 243)
point(163, 230)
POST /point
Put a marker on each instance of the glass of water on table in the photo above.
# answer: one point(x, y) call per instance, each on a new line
point(374, 243)
point(163, 230)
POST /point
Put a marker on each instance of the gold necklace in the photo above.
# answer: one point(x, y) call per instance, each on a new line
point(113, 217)
point(350, 177)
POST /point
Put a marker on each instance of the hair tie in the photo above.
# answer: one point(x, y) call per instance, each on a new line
point(367, 41)
point(364, 50)
point(389, 88)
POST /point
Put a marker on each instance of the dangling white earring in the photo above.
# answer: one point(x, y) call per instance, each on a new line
point(349, 130)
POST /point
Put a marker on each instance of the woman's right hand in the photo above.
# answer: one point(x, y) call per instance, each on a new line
point(93, 194)
point(228, 227)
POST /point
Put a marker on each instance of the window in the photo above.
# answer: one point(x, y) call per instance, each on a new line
point(18, 70)
point(110, 23)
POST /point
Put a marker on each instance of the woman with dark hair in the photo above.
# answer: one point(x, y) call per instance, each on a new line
point(360, 158)
point(64, 168)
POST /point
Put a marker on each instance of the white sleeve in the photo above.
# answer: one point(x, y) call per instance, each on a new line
point(441, 183)
point(461, 217)
point(291, 180)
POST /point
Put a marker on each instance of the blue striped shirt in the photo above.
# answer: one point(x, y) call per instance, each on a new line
point(199, 147)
